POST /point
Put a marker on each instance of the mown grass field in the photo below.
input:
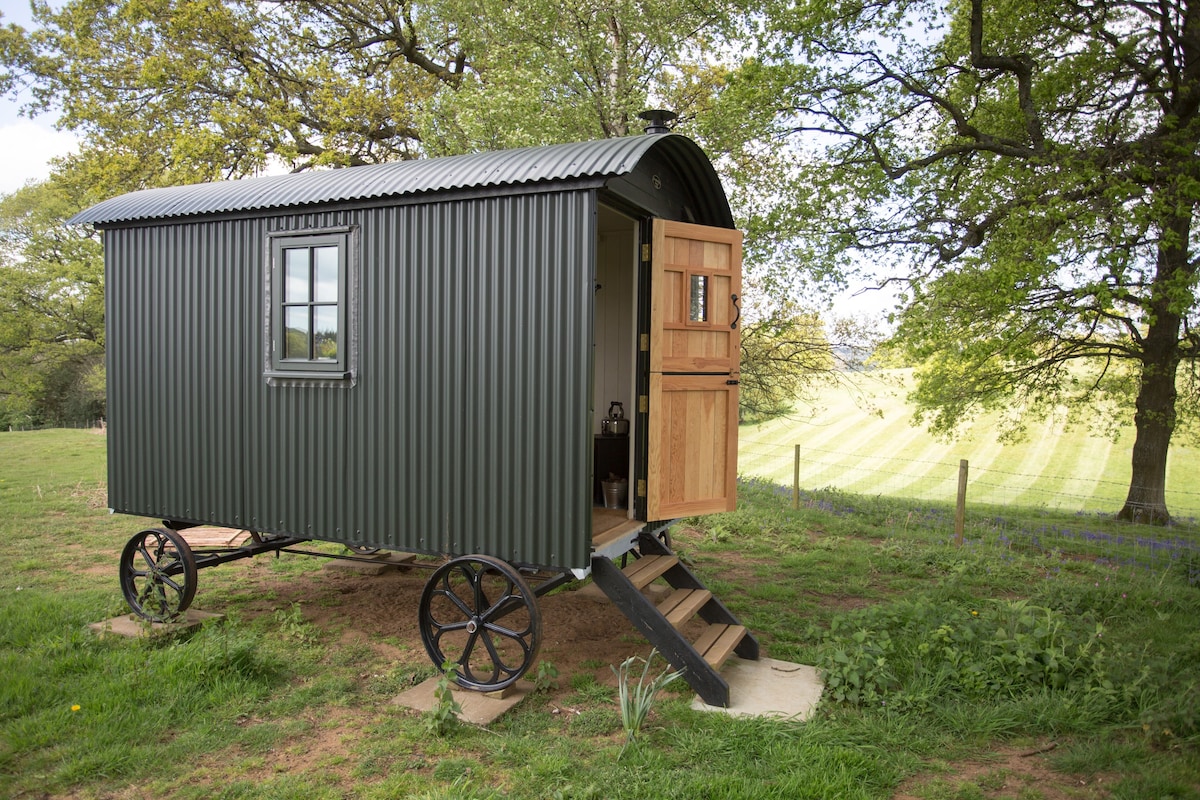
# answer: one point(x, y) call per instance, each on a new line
point(952, 673)
point(861, 439)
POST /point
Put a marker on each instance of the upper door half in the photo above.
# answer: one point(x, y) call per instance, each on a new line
point(695, 338)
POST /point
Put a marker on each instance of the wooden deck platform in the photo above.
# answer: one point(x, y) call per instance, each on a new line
point(212, 536)
point(609, 527)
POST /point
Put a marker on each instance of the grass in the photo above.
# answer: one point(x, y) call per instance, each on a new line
point(1100, 657)
point(864, 442)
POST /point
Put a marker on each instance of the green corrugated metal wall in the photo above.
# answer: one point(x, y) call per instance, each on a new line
point(467, 429)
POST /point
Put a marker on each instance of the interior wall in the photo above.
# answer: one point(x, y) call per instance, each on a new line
point(616, 317)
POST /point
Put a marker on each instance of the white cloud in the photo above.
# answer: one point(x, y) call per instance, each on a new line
point(26, 148)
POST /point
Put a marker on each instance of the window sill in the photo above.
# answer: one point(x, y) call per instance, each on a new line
point(303, 378)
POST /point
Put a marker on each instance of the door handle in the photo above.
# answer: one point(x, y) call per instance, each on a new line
point(733, 325)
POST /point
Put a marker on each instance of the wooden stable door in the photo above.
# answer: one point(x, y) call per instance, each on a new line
point(695, 320)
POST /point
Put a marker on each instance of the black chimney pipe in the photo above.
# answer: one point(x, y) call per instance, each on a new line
point(658, 119)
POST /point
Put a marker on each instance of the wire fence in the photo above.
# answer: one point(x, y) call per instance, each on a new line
point(1072, 516)
point(98, 424)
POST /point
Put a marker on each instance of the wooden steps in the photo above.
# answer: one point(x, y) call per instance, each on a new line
point(682, 604)
point(689, 606)
point(642, 572)
point(717, 642)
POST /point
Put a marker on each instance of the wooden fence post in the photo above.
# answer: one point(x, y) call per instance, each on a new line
point(960, 509)
point(796, 480)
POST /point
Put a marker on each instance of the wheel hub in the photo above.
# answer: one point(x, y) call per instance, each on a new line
point(473, 625)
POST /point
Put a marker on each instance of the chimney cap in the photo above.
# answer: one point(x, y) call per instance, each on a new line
point(658, 119)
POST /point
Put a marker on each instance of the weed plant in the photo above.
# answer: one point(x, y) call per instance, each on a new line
point(636, 699)
point(442, 716)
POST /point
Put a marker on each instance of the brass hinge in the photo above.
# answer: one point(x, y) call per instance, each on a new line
point(643, 403)
point(641, 488)
point(645, 343)
point(645, 252)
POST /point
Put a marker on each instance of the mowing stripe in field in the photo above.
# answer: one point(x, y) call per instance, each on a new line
point(866, 444)
point(856, 454)
point(1022, 483)
point(915, 468)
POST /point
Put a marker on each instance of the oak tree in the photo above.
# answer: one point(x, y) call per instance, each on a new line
point(1028, 171)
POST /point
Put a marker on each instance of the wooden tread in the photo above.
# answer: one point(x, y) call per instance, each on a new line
point(682, 604)
point(718, 641)
point(644, 570)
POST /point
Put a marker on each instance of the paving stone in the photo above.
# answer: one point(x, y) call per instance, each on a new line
point(478, 708)
point(769, 688)
point(135, 627)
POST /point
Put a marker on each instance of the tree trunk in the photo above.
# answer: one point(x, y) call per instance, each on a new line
point(1154, 420)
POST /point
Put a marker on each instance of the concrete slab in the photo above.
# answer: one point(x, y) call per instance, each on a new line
point(376, 564)
point(477, 708)
point(769, 688)
point(134, 627)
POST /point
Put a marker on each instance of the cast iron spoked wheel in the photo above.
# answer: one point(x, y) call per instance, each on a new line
point(478, 613)
point(158, 574)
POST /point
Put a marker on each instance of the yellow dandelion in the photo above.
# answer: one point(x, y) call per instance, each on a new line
point(974, 613)
point(75, 707)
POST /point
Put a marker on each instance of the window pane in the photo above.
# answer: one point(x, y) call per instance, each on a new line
point(325, 331)
point(326, 261)
point(296, 289)
point(699, 299)
point(295, 342)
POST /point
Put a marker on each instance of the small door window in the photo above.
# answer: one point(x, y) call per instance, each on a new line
point(698, 299)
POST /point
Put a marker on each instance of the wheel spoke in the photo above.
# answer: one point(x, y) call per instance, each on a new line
point(464, 660)
point(167, 581)
point(449, 593)
point(163, 604)
point(507, 633)
point(477, 589)
point(493, 608)
point(146, 555)
point(496, 656)
point(497, 661)
point(147, 590)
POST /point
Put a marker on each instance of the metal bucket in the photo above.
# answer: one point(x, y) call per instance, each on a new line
point(615, 493)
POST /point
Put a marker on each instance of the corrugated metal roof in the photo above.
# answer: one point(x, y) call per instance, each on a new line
point(521, 167)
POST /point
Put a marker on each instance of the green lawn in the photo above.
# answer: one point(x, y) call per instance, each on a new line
point(938, 660)
point(863, 441)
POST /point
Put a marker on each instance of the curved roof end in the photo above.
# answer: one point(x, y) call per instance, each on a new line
point(603, 159)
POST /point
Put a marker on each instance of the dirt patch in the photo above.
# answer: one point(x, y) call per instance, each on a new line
point(1010, 773)
point(579, 633)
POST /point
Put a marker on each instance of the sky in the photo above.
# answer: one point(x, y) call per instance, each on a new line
point(26, 145)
